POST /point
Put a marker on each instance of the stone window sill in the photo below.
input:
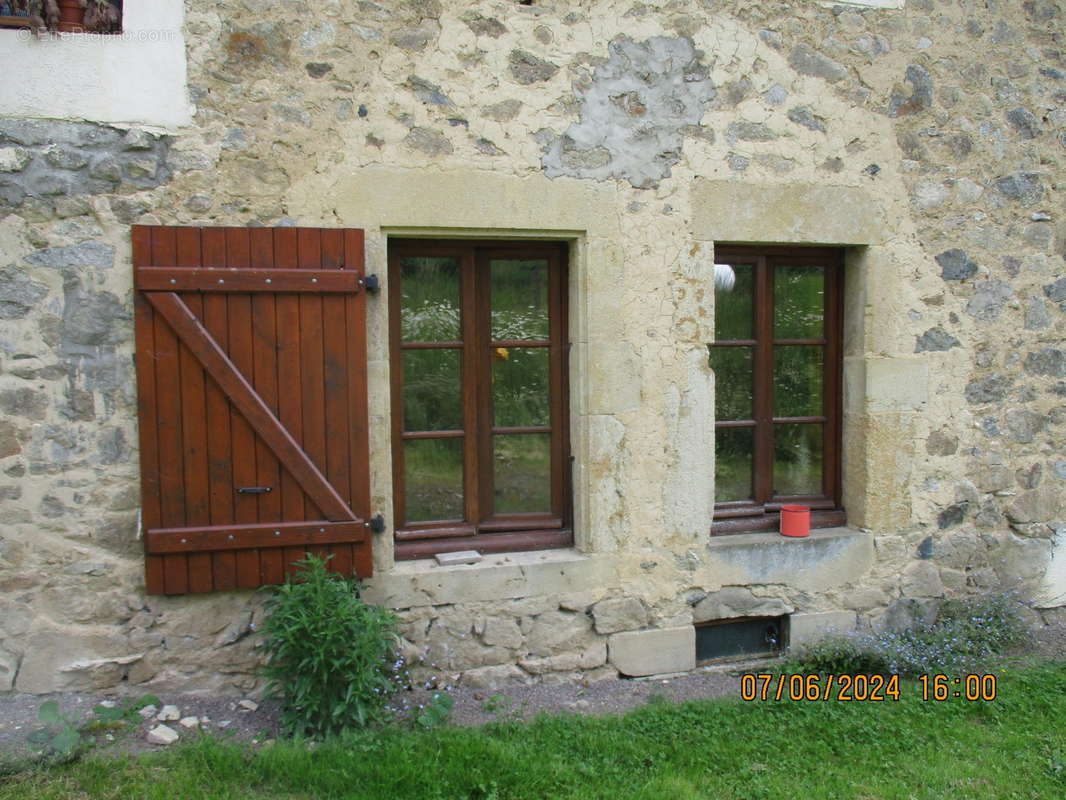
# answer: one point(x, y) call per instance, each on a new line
point(498, 577)
point(827, 557)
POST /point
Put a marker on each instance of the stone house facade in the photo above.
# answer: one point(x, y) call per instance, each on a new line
point(920, 143)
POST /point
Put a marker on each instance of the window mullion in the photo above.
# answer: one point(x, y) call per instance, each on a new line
point(763, 379)
point(556, 417)
point(832, 379)
point(481, 432)
point(471, 394)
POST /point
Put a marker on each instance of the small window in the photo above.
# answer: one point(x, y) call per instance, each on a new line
point(479, 402)
point(777, 363)
point(94, 16)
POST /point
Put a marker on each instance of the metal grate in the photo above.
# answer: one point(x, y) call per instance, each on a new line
point(742, 637)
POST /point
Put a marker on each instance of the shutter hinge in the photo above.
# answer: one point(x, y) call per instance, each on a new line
point(371, 284)
point(377, 523)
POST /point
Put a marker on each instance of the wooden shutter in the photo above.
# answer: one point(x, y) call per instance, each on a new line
point(251, 375)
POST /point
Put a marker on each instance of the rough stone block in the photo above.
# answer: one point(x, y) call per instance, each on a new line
point(737, 601)
point(502, 631)
point(807, 629)
point(493, 676)
point(9, 665)
point(161, 734)
point(637, 653)
point(14, 159)
point(619, 614)
point(921, 579)
point(591, 657)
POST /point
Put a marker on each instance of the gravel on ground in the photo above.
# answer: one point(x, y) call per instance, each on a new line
point(256, 721)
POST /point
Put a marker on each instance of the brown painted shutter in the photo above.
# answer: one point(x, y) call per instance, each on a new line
point(251, 375)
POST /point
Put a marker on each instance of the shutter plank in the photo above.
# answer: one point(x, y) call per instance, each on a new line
point(265, 361)
point(168, 399)
point(335, 368)
point(245, 471)
point(309, 255)
point(194, 423)
point(290, 405)
point(147, 407)
point(220, 443)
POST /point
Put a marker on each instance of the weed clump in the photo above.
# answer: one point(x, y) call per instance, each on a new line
point(964, 636)
point(332, 657)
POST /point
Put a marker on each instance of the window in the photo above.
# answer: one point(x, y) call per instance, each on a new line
point(777, 363)
point(99, 16)
point(479, 399)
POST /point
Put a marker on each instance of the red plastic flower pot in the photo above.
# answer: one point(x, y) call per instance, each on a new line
point(795, 520)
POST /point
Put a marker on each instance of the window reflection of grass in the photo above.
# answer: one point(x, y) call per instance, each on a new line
point(433, 479)
point(732, 382)
point(431, 390)
point(520, 386)
point(733, 315)
point(797, 459)
point(733, 449)
point(522, 470)
point(798, 381)
point(799, 302)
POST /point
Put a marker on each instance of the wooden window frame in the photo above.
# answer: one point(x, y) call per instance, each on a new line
point(495, 533)
point(763, 513)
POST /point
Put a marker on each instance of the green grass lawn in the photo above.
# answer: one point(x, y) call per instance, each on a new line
point(1012, 747)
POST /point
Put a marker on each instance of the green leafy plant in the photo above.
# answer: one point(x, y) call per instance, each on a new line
point(497, 702)
point(121, 713)
point(63, 739)
point(436, 711)
point(60, 738)
point(331, 656)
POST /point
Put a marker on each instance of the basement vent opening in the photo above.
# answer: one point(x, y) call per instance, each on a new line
point(741, 637)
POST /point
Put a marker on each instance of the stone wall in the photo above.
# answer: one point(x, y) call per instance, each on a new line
point(929, 140)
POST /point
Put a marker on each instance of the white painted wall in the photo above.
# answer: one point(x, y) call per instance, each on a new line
point(136, 77)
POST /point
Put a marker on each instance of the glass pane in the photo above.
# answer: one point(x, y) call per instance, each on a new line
point(799, 302)
point(431, 396)
point(733, 451)
point(797, 459)
point(519, 299)
point(798, 381)
point(734, 293)
point(520, 386)
point(732, 382)
point(429, 291)
point(433, 479)
point(522, 480)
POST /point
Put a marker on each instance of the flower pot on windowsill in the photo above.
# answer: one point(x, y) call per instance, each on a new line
point(71, 16)
point(795, 521)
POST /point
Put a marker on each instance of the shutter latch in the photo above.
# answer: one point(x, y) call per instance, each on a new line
point(377, 523)
point(255, 490)
point(371, 284)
